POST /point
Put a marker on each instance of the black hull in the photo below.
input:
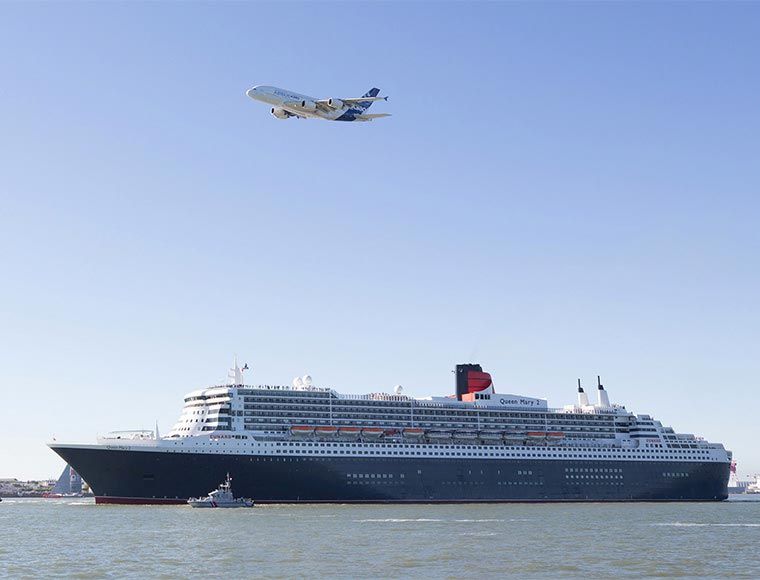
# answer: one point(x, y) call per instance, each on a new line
point(128, 476)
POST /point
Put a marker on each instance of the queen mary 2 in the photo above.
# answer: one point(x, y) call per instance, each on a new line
point(303, 443)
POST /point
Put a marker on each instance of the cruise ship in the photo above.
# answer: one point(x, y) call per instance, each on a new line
point(304, 443)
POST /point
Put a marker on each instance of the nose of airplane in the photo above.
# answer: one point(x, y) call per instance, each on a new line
point(251, 92)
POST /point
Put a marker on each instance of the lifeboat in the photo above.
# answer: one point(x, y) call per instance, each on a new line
point(514, 436)
point(392, 434)
point(439, 435)
point(413, 432)
point(349, 432)
point(302, 430)
point(490, 435)
point(465, 436)
point(326, 431)
point(555, 437)
point(535, 438)
point(373, 432)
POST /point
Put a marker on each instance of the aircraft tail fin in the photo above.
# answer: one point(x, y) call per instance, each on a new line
point(364, 105)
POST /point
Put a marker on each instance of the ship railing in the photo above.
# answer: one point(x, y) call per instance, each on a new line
point(130, 436)
point(275, 388)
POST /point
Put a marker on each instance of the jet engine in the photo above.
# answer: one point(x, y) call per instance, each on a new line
point(335, 103)
point(308, 105)
point(280, 113)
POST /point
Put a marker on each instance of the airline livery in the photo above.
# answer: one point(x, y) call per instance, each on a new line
point(287, 104)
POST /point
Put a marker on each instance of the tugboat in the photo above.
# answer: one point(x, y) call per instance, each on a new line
point(221, 497)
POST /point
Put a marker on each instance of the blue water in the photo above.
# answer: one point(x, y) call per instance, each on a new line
point(77, 538)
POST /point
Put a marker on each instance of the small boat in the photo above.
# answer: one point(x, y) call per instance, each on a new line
point(490, 435)
point(439, 435)
point(302, 430)
point(413, 432)
point(221, 497)
point(465, 436)
point(349, 432)
point(326, 431)
point(555, 436)
point(373, 432)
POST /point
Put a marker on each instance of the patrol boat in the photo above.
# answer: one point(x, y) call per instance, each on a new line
point(221, 497)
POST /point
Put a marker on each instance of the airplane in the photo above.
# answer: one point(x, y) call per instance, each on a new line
point(288, 104)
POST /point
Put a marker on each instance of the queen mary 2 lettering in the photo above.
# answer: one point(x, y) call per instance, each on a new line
point(303, 443)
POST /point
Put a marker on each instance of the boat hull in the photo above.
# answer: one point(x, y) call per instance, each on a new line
point(154, 477)
point(217, 505)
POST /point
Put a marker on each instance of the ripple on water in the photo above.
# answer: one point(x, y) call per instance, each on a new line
point(396, 520)
point(705, 525)
point(447, 541)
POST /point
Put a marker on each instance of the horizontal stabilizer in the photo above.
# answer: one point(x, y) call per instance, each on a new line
point(364, 99)
point(369, 116)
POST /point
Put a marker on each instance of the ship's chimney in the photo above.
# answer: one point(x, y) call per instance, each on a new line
point(582, 396)
point(604, 400)
point(470, 378)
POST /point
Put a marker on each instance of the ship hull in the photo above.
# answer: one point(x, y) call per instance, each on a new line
point(154, 477)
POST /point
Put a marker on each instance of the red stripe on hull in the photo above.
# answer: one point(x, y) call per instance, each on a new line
point(160, 501)
point(138, 500)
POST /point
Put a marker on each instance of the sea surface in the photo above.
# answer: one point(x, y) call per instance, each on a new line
point(49, 538)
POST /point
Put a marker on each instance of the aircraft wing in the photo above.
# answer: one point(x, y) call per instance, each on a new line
point(321, 105)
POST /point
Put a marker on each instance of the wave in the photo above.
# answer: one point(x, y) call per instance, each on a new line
point(397, 520)
point(403, 520)
point(704, 525)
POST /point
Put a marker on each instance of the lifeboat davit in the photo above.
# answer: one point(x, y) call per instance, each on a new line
point(414, 432)
point(373, 432)
point(326, 431)
point(349, 432)
point(302, 430)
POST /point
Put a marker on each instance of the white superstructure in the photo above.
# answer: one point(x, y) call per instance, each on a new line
point(310, 420)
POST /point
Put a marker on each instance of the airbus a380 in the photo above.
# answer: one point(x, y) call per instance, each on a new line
point(287, 104)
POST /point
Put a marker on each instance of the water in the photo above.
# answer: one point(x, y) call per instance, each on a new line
point(76, 538)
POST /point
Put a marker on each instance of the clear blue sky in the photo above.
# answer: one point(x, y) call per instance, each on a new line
point(562, 190)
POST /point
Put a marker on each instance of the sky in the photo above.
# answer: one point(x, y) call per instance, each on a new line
point(563, 190)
